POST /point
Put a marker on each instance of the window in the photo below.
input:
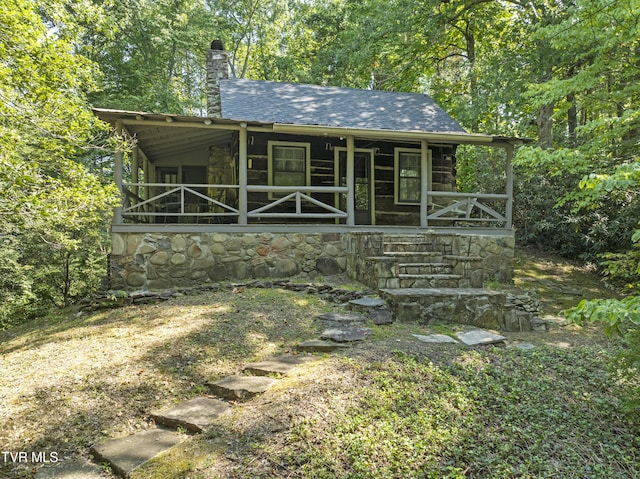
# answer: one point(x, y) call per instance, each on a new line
point(408, 175)
point(289, 164)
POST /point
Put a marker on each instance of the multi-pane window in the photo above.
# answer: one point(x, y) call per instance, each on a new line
point(408, 177)
point(289, 165)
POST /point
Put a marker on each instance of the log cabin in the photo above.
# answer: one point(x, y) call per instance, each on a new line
point(283, 180)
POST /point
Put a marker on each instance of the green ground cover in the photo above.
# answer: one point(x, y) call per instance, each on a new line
point(391, 407)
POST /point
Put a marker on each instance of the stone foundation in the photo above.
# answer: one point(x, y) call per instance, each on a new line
point(158, 261)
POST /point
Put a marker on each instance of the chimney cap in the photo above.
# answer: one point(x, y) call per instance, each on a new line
point(217, 45)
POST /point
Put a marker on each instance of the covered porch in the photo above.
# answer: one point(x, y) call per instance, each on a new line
point(206, 175)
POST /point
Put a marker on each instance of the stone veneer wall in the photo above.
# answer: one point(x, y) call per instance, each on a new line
point(167, 260)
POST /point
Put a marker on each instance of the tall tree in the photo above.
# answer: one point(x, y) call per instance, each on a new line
point(49, 202)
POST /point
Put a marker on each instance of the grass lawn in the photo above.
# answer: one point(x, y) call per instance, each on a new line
point(390, 407)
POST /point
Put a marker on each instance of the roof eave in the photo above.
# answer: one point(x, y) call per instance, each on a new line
point(453, 137)
point(129, 117)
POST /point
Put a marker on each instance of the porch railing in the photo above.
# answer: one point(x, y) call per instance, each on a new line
point(169, 203)
point(299, 196)
point(175, 201)
point(468, 209)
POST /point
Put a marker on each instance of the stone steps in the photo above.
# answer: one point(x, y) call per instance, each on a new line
point(432, 281)
point(240, 388)
point(126, 454)
point(421, 261)
point(196, 415)
point(416, 256)
point(471, 306)
point(425, 268)
point(407, 246)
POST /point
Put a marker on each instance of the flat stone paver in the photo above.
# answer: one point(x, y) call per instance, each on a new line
point(319, 346)
point(70, 469)
point(366, 303)
point(241, 387)
point(128, 453)
point(194, 415)
point(435, 338)
point(278, 365)
point(479, 337)
point(341, 319)
point(346, 334)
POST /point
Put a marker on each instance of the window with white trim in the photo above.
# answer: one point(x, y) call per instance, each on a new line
point(408, 175)
point(289, 163)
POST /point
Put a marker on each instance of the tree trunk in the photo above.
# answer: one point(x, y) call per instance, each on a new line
point(572, 120)
point(544, 122)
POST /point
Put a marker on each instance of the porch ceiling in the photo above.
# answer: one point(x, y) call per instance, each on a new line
point(164, 142)
point(161, 137)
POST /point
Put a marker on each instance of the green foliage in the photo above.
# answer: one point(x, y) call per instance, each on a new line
point(53, 212)
point(487, 413)
point(620, 317)
point(552, 213)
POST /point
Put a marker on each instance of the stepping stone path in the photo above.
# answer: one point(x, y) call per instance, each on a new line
point(128, 453)
point(478, 337)
point(195, 415)
point(241, 387)
point(435, 338)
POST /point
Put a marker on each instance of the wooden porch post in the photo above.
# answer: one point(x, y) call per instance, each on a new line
point(118, 175)
point(424, 183)
point(134, 171)
point(242, 174)
point(509, 167)
point(351, 204)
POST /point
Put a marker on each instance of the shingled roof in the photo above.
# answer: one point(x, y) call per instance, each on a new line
point(300, 104)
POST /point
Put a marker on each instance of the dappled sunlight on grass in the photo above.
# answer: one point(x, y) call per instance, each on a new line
point(559, 284)
point(73, 382)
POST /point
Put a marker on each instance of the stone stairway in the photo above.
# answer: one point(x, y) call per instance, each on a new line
point(124, 455)
point(411, 262)
point(427, 279)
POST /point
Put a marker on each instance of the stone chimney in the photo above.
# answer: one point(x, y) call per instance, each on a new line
point(217, 69)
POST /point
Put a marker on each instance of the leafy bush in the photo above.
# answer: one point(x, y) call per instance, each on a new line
point(620, 317)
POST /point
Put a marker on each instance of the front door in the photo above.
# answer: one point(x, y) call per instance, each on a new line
point(364, 183)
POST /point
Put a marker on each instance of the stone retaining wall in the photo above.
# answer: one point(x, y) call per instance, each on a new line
point(159, 261)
